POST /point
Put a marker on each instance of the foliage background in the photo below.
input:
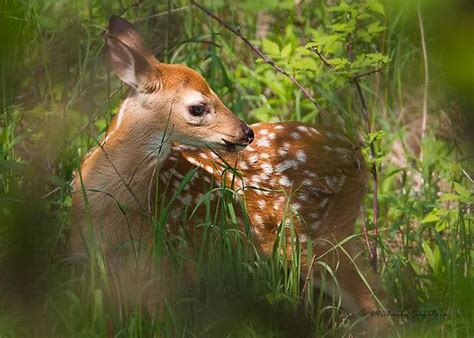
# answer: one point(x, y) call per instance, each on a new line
point(58, 96)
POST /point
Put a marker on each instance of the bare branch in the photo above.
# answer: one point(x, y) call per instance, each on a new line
point(256, 50)
point(373, 171)
point(321, 57)
point(370, 72)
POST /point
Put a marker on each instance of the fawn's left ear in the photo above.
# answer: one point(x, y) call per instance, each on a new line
point(131, 60)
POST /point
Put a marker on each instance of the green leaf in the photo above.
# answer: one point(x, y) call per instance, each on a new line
point(441, 226)
point(270, 47)
point(449, 197)
point(463, 192)
point(431, 218)
point(375, 28)
point(428, 254)
point(285, 52)
point(375, 6)
point(342, 7)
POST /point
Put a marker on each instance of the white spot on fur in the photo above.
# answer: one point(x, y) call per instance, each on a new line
point(285, 165)
point(263, 142)
point(203, 155)
point(295, 135)
point(303, 129)
point(296, 206)
point(282, 152)
point(253, 159)
point(263, 132)
point(342, 181)
point(272, 136)
point(192, 160)
point(279, 127)
point(323, 202)
point(285, 181)
point(315, 225)
point(267, 168)
point(265, 156)
point(303, 197)
point(243, 165)
point(261, 204)
point(301, 156)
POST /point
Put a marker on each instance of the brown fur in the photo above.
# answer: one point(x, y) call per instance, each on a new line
point(334, 203)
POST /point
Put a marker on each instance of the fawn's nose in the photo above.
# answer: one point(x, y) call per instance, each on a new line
point(248, 133)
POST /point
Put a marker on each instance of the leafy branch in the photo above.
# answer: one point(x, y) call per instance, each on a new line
point(266, 59)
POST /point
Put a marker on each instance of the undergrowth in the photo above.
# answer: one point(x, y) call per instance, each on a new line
point(59, 96)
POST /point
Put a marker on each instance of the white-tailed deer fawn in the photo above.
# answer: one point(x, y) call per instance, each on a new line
point(167, 103)
point(319, 175)
point(292, 170)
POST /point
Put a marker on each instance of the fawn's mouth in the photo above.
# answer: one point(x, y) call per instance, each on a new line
point(231, 146)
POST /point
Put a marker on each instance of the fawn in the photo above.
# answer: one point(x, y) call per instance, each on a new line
point(319, 175)
point(168, 102)
point(292, 170)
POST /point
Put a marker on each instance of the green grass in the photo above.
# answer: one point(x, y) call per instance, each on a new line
point(58, 97)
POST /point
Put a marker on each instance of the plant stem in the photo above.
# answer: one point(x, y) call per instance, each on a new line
point(427, 79)
point(373, 171)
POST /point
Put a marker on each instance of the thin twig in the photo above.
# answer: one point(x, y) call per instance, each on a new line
point(321, 57)
point(171, 11)
point(427, 79)
point(266, 59)
point(308, 276)
point(370, 72)
point(365, 232)
point(373, 171)
point(122, 179)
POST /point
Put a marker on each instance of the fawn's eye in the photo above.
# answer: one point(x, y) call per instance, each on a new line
point(198, 110)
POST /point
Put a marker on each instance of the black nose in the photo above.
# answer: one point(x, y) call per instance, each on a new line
point(248, 133)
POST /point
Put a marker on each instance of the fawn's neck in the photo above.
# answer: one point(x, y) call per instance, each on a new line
point(125, 162)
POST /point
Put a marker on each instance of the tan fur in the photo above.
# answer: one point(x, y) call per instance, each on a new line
point(109, 199)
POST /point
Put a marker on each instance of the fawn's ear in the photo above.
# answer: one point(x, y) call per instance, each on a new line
point(133, 63)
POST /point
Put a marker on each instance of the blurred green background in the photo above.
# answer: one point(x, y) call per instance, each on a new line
point(58, 96)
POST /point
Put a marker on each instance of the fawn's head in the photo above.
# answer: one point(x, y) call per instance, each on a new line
point(171, 96)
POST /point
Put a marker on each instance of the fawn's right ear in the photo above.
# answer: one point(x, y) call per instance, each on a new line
point(133, 63)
